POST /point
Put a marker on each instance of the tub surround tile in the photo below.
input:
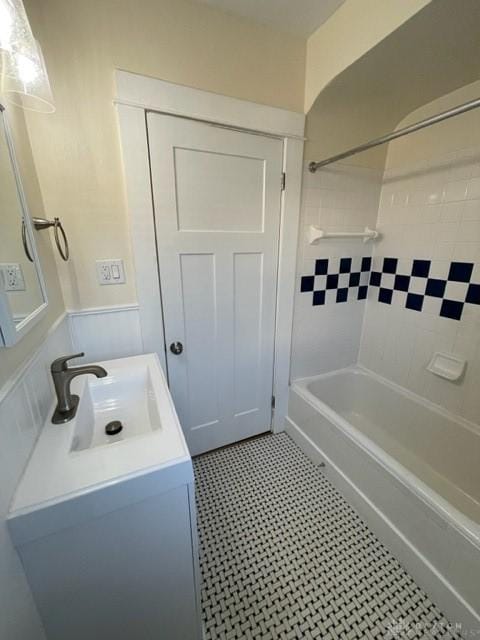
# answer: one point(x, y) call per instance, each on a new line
point(414, 301)
point(453, 291)
point(401, 283)
point(321, 267)
point(354, 280)
point(420, 268)
point(428, 216)
point(473, 294)
point(340, 198)
point(307, 283)
point(318, 298)
point(460, 271)
point(347, 277)
point(435, 287)
point(351, 278)
point(362, 292)
point(366, 264)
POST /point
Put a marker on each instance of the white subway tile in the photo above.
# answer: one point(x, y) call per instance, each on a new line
point(456, 190)
point(468, 231)
point(473, 191)
point(471, 210)
point(456, 291)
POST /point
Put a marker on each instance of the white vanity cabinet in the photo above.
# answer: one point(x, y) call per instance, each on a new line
point(107, 534)
point(127, 574)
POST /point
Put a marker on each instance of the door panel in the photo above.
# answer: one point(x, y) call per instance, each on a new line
point(247, 335)
point(217, 216)
point(201, 209)
point(199, 302)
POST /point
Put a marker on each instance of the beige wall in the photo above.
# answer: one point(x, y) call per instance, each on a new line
point(456, 133)
point(427, 56)
point(11, 358)
point(352, 30)
point(77, 149)
point(332, 126)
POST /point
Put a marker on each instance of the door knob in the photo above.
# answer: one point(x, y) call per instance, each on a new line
point(176, 348)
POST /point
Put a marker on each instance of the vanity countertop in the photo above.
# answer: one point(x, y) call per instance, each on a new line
point(65, 482)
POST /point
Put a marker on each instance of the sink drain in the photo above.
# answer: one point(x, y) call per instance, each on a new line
point(113, 428)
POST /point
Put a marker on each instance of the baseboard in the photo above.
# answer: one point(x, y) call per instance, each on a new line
point(424, 573)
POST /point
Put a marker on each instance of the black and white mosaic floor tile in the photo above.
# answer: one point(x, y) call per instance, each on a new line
point(284, 556)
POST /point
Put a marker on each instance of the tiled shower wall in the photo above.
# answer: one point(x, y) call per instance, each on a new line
point(328, 323)
point(430, 212)
point(424, 286)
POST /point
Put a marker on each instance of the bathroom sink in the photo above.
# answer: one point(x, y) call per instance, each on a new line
point(76, 469)
point(125, 400)
point(105, 524)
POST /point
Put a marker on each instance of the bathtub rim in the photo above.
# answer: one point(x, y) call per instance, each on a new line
point(422, 568)
point(442, 508)
point(361, 369)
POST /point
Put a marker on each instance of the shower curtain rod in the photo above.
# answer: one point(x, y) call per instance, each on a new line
point(450, 113)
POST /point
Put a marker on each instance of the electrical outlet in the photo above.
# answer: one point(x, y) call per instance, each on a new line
point(12, 277)
point(110, 272)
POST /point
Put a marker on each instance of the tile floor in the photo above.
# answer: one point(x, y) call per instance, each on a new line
point(284, 556)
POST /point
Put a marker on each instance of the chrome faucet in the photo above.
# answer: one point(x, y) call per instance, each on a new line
point(62, 375)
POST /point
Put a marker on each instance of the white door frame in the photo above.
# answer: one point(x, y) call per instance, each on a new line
point(135, 95)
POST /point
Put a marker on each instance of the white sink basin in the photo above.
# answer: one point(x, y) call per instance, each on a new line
point(73, 460)
point(126, 395)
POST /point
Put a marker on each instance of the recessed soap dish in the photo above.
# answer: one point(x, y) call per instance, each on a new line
point(447, 366)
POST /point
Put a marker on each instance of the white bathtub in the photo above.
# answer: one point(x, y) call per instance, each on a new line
point(411, 469)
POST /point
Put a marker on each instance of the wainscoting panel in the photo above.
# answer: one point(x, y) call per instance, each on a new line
point(107, 333)
point(25, 403)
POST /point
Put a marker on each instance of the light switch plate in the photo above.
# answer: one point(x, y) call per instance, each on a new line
point(110, 271)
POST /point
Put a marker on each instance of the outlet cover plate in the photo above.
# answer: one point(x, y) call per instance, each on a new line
point(12, 276)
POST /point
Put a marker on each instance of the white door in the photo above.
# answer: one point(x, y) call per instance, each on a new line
point(217, 216)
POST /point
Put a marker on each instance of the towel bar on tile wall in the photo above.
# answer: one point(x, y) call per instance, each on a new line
point(315, 234)
point(42, 223)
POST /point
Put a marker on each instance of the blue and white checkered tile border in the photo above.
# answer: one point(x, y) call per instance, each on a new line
point(415, 287)
point(418, 288)
point(338, 281)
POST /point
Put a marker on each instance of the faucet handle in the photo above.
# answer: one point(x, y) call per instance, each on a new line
point(60, 364)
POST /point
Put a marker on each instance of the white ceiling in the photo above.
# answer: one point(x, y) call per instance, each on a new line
point(299, 17)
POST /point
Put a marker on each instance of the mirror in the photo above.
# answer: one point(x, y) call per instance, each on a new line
point(23, 298)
